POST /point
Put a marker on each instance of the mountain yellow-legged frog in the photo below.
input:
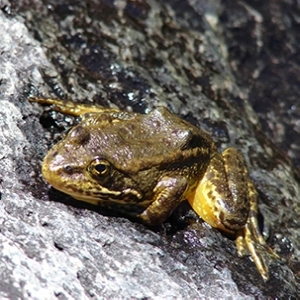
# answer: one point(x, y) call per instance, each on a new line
point(145, 165)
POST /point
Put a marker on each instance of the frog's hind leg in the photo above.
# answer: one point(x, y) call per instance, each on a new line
point(71, 108)
point(249, 239)
point(227, 199)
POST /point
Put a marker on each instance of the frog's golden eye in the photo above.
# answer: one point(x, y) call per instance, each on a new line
point(99, 167)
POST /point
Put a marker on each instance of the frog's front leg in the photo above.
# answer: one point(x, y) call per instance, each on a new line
point(226, 199)
point(71, 108)
point(168, 193)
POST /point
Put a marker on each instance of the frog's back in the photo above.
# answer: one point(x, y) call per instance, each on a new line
point(131, 139)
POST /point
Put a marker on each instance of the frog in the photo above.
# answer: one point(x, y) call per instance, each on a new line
point(145, 165)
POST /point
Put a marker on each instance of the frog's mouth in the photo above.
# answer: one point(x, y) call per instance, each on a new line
point(85, 190)
point(93, 199)
point(91, 196)
point(104, 195)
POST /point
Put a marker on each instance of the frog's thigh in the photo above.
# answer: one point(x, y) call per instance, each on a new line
point(221, 196)
point(168, 193)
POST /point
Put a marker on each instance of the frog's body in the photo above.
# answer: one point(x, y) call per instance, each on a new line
point(145, 165)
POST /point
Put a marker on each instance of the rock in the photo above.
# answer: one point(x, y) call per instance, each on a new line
point(137, 55)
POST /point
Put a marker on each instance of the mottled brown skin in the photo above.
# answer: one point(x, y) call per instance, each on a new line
point(145, 165)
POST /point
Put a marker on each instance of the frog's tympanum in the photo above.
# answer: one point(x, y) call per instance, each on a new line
point(145, 165)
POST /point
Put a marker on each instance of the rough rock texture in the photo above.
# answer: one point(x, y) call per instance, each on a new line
point(211, 62)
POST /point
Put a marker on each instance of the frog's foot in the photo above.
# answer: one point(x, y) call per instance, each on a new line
point(71, 108)
point(250, 240)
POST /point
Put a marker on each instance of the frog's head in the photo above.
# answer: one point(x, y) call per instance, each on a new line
point(84, 165)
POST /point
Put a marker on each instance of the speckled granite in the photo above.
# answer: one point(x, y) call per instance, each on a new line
point(137, 55)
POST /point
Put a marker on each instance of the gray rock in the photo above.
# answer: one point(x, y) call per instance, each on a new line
point(137, 55)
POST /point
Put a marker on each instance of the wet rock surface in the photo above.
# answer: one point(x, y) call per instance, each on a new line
point(210, 62)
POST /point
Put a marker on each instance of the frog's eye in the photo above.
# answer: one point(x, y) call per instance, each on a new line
point(99, 167)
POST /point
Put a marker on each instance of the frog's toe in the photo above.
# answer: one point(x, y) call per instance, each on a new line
point(241, 244)
point(259, 255)
point(259, 250)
